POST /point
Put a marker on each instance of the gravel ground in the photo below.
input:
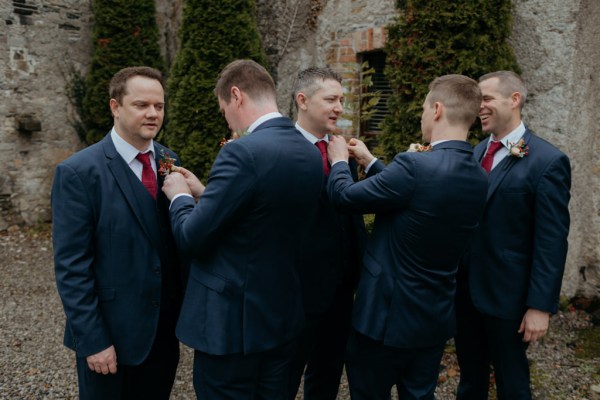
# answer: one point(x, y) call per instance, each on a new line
point(35, 365)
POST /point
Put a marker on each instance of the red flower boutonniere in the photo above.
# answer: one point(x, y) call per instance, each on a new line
point(235, 135)
point(519, 149)
point(418, 148)
point(166, 164)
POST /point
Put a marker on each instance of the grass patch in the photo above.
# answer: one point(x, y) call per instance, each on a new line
point(588, 343)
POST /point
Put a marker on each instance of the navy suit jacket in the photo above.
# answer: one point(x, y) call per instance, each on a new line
point(427, 205)
point(333, 255)
point(517, 257)
point(245, 235)
point(114, 256)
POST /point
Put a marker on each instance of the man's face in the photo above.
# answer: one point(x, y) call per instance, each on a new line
point(231, 114)
point(140, 116)
point(427, 120)
point(495, 111)
point(321, 111)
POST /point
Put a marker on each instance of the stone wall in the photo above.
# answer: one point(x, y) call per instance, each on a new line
point(556, 42)
point(41, 43)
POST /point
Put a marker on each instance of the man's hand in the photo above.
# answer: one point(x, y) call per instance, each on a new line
point(192, 181)
point(359, 151)
point(337, 150)
point(175, 184)
point(534, 325)
point(104, 362)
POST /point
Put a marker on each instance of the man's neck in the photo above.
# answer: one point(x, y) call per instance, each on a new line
point(302, 123)
point(449, 133)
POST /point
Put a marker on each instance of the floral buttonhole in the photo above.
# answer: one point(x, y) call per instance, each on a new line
point(519, 149)
point(418, 148)
point(166, 164)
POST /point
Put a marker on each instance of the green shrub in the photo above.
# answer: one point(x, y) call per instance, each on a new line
point(211, 36)
point(433, 38)
point(125, 34)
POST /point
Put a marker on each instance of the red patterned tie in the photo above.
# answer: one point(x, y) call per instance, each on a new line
point(148, 176)
point(322, 145)
point(488, 159)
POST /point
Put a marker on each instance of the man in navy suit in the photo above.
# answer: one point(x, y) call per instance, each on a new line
point(509, 281)
point(242, 311)
point(427, 206)
point(115, 260)
point(329, 265)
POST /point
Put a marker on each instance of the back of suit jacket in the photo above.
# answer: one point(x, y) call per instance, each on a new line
point(517, 257)
point(427, 206)
point(245, 236)
point(114, 254)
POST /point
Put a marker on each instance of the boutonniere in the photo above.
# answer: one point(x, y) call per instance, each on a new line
point(519, 149)
point(166, 164)
point(418, 148)
point(235, 135)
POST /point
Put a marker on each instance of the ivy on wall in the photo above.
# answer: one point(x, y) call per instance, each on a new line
point(212, 35)
point(125, 34)
point(433, 38)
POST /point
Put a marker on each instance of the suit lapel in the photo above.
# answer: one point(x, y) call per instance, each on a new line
point(502, 169)
point(142, 206)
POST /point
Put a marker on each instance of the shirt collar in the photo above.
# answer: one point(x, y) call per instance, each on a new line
point(261, 119)
point(512, 137)
point(438, 142)
point(127, 151)
point(309, 136)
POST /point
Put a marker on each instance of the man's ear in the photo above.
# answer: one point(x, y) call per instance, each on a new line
point(515, 100)
point(114, 107)
point(236, 95)
point(301, 101)
point(438, 110)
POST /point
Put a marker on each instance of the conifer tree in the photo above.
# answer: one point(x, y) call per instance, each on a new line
point(433, 38)
point(212, 35)
point(125, 34)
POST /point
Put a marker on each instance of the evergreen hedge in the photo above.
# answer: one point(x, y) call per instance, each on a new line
point(125, 34)
point(212, 35)
point(433, 38)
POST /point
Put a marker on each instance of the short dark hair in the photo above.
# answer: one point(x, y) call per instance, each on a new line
point(117, 88)
point(308, 81)
point(510, 83)
point(460, 96)
point(249, 76)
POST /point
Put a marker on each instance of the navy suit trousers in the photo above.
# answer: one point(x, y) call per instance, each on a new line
point(152, 379)
point(483, 340)
point(374, 368)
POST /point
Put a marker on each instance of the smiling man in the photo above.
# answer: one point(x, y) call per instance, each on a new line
point(329, 268)
point(115, 260)
point(509, 282)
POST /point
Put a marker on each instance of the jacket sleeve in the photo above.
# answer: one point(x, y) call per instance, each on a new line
point(551, 216)
point(197, 228)
point(389, 190)
point(73, 225)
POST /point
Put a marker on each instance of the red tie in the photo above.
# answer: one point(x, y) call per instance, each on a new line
point(488, 159)
point(148, 176)
point(322, 145)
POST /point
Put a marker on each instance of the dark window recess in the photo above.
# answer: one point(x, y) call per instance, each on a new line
point(376, 60)
point(21, 7)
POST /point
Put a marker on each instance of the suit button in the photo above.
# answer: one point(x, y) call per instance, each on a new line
point(157, 271)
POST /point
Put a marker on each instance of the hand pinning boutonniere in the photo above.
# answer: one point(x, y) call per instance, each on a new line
point(166, 164)
point(519, 149)
point(234, 135)
point(418, 148)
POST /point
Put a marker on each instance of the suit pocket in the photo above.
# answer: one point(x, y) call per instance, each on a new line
point(106, 294)
point(209, 280)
